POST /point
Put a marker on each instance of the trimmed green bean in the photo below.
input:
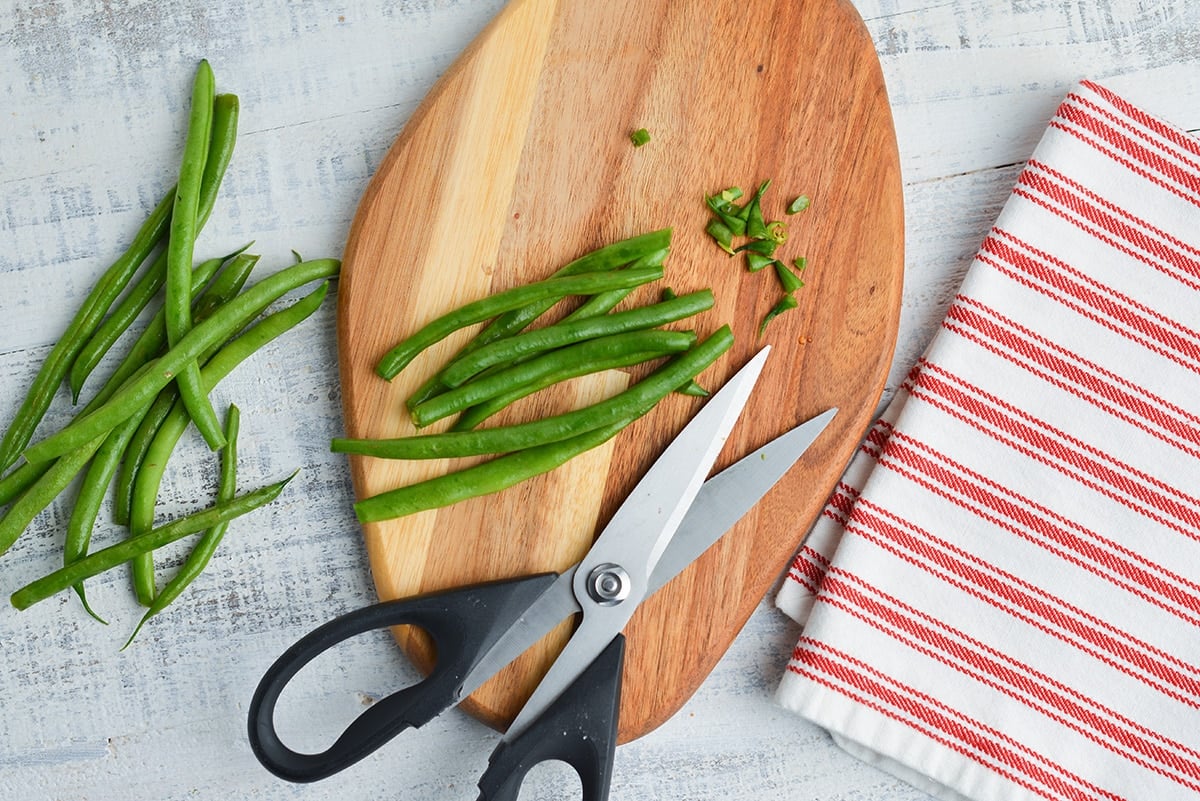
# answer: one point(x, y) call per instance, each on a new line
point(224, 137)
point(483, 479)
point(137, 393)
point(508, 350)
point(180, 249)
point(149, 475)
point(475, 414)
point(202, 552)
point(605, 302)
point(503, 439)
point(486, 308)
point(107, 558)
point(91, 313)
point(43, 492)
point(627, 253)
point(515, 321)
point(580, 358)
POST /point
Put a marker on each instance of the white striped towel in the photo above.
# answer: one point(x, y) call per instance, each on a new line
point(1002, 599)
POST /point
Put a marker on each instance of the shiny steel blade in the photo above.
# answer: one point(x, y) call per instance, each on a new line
point(639, 532)
point(728, 495)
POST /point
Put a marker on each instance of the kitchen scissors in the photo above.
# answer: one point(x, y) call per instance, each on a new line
point(672, 516)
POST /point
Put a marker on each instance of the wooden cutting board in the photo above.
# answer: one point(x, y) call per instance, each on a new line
point(520, 160)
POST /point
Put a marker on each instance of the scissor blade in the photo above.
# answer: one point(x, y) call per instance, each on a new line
point(638, 533)
point(554, 606)
point(728, 495)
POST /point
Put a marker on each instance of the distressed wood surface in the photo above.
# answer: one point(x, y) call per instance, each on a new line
point(525, 148)
point(91, 121)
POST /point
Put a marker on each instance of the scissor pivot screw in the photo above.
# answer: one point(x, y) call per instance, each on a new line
point(608, 584)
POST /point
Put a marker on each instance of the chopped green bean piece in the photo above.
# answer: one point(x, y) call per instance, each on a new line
point(798, 205)
point(694, 389)
point(727, 213)
point(756, 226)
point(777, 231)
point(787, 279)
point(766, 247)
point(721, 234)
point(785, 303)
point(757, 261)
point(640, 137)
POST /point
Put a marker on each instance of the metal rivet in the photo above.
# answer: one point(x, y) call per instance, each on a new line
point(608, 584)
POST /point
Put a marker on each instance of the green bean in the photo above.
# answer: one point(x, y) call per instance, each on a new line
point(625, 253)
point(502, 439)
point(653, 249)
point(786, 303)
point(138, 443)
point(180, 249)
point(225, 287)
point(507, 351)
point(482, 479)
point(403, 353)
point(137, 393)
point(119, 321)
point(224, 136)
point(475, 414)
point(579, 358)
point(604, 302)
point(91, 312)
point(19, 479)
point(91, 495)
point(149, 475)
point(41, 483)
point(123, 316)
point(107, 558)
point(202, 552)
point(43, 492)
point(594, 306)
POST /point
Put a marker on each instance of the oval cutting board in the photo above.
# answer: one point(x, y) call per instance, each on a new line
point(520, 160)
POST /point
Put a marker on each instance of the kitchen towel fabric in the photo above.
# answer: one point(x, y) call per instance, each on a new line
point(1002, 598)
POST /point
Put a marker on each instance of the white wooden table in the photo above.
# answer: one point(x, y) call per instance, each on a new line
point(92, 107)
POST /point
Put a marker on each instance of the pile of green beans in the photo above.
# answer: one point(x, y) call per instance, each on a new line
point(504, 363)
point(207, 322)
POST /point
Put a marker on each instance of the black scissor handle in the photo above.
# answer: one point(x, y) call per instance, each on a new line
point(579, 728)
point(463, 624)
